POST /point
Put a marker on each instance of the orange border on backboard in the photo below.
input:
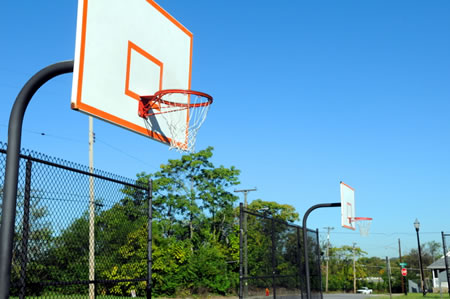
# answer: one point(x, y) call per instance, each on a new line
point(347, 205)
point(133, 46)
point(79, 105)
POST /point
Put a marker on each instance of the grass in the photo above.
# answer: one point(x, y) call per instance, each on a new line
point(76, 296)
point(416, 296)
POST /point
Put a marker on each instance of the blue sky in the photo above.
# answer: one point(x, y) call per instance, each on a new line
point(307, 94)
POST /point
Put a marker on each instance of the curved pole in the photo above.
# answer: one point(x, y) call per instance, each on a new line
point(305, 241)
point(12, 166)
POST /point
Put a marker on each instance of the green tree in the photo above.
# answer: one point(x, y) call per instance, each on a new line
point(435, 249)
point(430, 251)
point(39, 239)
point(186, 188)
point(194, 230)
point(283, 212)
point(262, 233)
point(341, 267)
point(68, 258)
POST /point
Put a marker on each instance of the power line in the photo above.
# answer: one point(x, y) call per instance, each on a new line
point(82, 142)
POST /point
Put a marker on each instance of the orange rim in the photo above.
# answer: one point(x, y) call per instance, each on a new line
point(354, 219)
point(158, 97)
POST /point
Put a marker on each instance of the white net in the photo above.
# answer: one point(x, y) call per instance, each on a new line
point(363, 225)
point(183, 115)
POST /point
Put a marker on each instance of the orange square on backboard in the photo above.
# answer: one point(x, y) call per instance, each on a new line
point(142, 69)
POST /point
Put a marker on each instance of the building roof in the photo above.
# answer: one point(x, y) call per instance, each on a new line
point(439, 264)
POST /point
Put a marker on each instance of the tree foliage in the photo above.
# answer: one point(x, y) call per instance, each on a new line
point(372, 271)
point(195, 243)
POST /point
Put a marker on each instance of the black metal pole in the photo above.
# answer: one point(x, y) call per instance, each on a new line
point(241, 242)
point(12, 166)
point(274, 265)
point(444, 247)
point(25, 230)
point(305, 241)
point(318, 262)
point(299, 262)
point(149, 239)
point(424, 287)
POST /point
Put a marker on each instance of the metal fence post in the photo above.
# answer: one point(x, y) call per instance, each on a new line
point(444, 247)
point(300, 269)
point(318, 262)
point(274, 266)
point(149, 239)
point(241, 241)
point(25, 230)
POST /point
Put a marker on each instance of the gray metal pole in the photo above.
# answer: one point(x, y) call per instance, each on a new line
point(149, 240)
point(327, 257)
point(92, 284)
point(388, 267)
point(354, 269)
point(305, 241)
point(12, 166)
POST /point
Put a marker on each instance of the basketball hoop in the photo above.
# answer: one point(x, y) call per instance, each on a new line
point(363, 224)
point(183, 130)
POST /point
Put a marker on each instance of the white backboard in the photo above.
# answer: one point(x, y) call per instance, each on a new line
point(347, 206)
point(124, 50)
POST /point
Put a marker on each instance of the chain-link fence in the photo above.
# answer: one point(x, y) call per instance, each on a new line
point(314, 256)
point(73, 231)
point(271, 258)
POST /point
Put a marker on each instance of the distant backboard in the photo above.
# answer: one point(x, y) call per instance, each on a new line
point(124, 50)
point(347, 206)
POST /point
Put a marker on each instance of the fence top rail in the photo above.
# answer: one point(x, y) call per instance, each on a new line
point(72, 166)
point(256, 214)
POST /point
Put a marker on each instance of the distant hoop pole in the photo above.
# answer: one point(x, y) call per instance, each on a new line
point(12, 166)
point(305, 241)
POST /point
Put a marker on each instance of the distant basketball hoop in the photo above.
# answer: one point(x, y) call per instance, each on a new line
point(363, 224)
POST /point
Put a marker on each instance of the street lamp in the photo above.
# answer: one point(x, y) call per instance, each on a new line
point(417, 226)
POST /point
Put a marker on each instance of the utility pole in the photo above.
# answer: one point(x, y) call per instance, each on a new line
point(403, 278)
point(327, 257)
point(91, 211)
point(354, 269)
point(388, 270)
point(245, 191)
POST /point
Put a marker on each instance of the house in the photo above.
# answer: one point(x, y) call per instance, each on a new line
point(439, 272)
